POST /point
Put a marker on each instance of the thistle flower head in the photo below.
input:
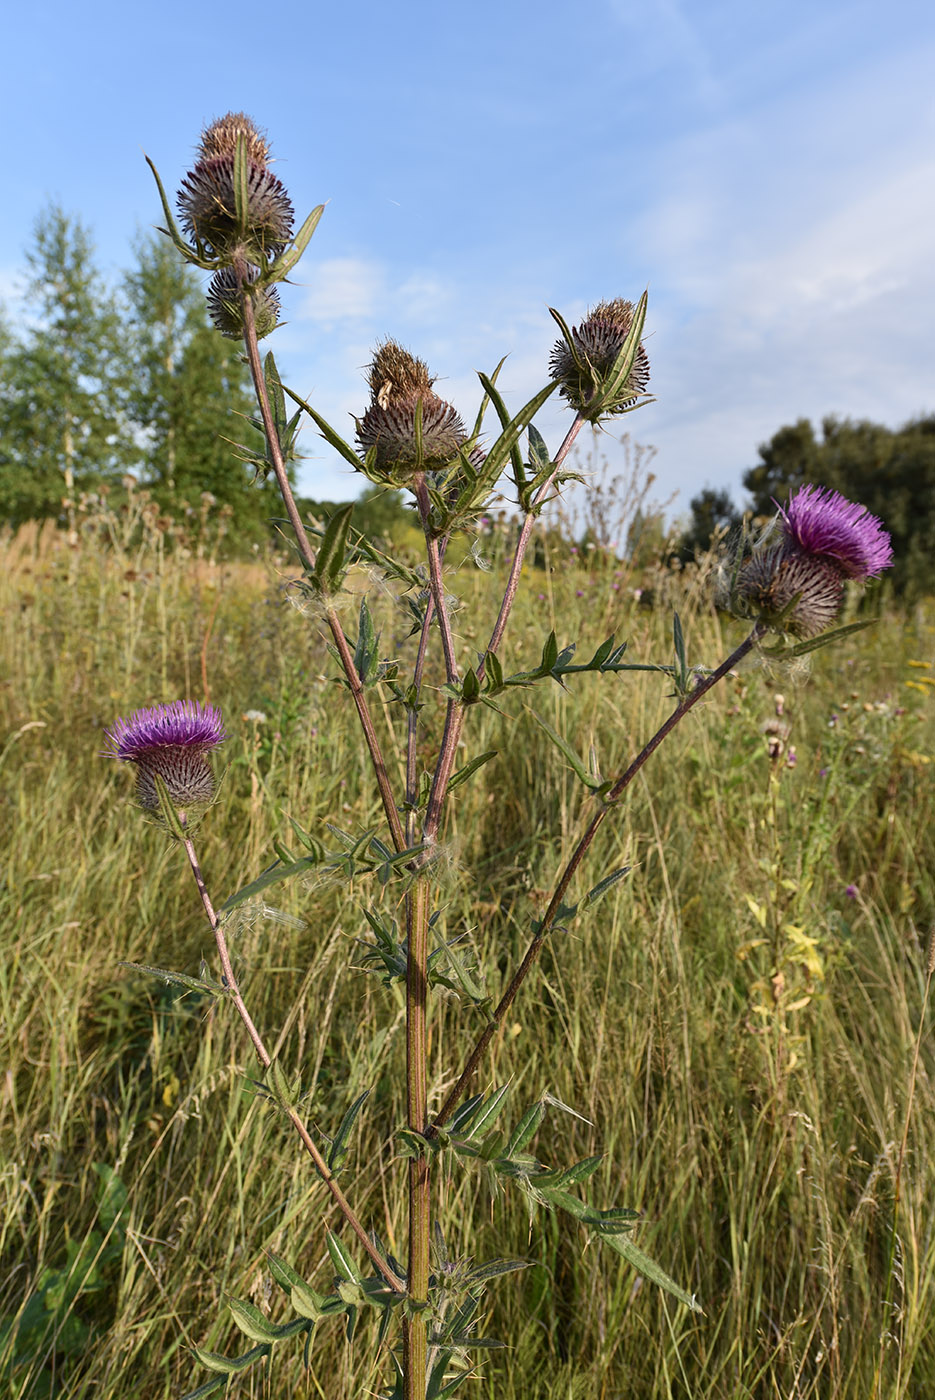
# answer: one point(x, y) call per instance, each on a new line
point(170, 742)
point(226, 311)
point(798, 581)
point(580, 365)
point(822, 522)
point(207, 205)
point(409, 427)
point(221, 137)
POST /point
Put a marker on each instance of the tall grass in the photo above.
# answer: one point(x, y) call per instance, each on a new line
point(739, 1019)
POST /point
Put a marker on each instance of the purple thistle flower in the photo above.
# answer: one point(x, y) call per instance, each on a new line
point(170, 741)
point(820, 521)
point(798, 583)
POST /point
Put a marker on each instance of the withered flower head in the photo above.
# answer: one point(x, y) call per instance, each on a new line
point(399, 385)
point(580, 367)
point(226, 311)
point(220, 139)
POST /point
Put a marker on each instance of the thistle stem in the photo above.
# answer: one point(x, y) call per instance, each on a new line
point(307, 555)
point(567, 875)
point(266, 1059)
point(454, 715)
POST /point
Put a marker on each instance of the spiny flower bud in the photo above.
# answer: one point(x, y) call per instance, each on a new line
point(399, 384)
point(226, 311)
point(221, 137)
point(580, 367)
point(824, 541)
point(208, 208)
point(170, 742)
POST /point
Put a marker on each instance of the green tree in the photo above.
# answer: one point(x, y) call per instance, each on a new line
point(891, 472)
point(190, 393)
point(61, 428)
point(712, 512)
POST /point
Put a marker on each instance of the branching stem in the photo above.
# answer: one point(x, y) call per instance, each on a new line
point(567, 875)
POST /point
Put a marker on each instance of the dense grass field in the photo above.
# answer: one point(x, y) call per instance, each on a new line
point(737, 1022)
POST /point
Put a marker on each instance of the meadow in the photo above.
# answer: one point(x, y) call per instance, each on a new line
point(737, 1022)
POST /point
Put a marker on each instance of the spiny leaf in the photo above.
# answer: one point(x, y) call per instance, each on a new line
point(650, 1269)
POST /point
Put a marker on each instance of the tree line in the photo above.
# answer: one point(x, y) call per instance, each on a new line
point(98, 382)
point(103, 381)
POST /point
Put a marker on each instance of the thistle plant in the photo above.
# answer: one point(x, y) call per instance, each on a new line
point(788, 582)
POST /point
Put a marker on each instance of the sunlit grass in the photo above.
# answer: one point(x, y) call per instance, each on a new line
point(736, 1021)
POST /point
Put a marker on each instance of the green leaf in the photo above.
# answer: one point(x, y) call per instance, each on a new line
point(584, 773)
point(488, 1113)
point(602, 886)
point(282, 1089)
point(365, 652)
point(678, 640)
point(287, 260)
point(525, 1130)
point(168, 811)
point(650, 1269)
point(493, 670)
point(229, 1365)
point(495, 1268)
point(306, 1302)
point(503, 413)
point(251, 1321)
point(338, 1149)
point(502, 448)
point(342, 1261)
point(283, 1273)
point(827, 638)
point(462, 774)
point(111, 1194)
point(209, 1388)
point(273, 876)
point(178, 979)
point(615, 379)
point(329, 561)
point(328, 433)
point(470, 687)
point(241, 184)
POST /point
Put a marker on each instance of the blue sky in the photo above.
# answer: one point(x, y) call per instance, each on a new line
point(766, 169)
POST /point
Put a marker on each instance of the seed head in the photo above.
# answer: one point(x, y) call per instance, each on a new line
point(596, 343)
point(221, 137)
point(226, 311)
point(171, 742)
point(399, 384)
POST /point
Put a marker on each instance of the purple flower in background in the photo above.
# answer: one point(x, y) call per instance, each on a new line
point(171, 742)
point(823, 522)
point(851, 891)
point(797, 583)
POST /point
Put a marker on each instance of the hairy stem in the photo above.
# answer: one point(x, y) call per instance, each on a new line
point(568, 874)
point(266, 1059)
point(307, 555)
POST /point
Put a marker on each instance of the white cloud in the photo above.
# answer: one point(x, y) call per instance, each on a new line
point(341, 289)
